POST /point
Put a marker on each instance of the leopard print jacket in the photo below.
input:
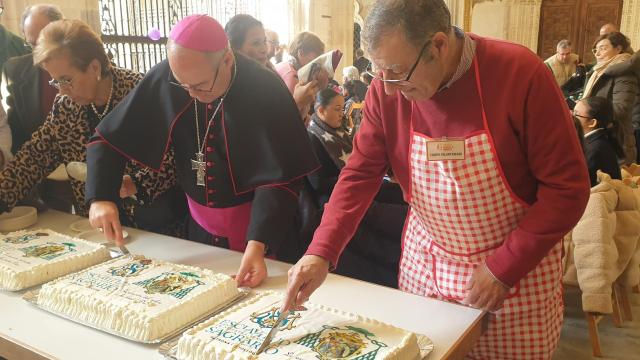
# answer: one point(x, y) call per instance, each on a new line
point(62, 139)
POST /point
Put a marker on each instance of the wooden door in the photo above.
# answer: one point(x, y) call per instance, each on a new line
point(558, 20)
point(594, 14)
point(576, 20)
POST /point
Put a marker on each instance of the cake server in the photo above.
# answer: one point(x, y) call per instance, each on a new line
point(267, 340)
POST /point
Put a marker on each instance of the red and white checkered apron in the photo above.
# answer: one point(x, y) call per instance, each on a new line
point(461, 211)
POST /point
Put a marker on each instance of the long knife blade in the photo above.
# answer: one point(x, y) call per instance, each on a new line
point(267, 340)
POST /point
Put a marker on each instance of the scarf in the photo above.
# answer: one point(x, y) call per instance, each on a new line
point(336, 142)
point(599, 69)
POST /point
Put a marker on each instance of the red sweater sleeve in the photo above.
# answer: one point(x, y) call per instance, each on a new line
point(556, 161)
point(357, 185)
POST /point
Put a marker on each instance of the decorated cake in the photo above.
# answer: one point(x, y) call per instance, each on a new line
point(29, 258)
point(138, 298)
point(313, 332)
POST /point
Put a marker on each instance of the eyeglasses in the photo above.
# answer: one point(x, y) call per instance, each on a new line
point(62, 84)
point(600, 48)
point(400, 82)
point(196, 89)
point(580, 116)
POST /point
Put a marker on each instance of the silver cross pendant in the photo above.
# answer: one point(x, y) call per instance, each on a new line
point(199, 165)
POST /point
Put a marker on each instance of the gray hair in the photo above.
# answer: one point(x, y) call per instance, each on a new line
point(52, 12)
point(563, 44)
point(417, 19)
point(351, 73)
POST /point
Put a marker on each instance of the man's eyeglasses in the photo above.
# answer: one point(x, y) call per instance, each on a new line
point(405, 81)
point(196, 89)
point(61, 84)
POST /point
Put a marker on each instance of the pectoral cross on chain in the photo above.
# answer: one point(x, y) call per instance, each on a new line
point(199, 166)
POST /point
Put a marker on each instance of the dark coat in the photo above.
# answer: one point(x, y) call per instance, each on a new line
point(619, 84)
point(601, 156)
point(11, 45)
point(23, 84)
point(374, 251)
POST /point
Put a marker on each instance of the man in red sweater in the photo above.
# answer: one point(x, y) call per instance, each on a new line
point(480, 140)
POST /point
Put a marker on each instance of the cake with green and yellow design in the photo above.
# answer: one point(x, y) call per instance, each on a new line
point(138, 298)
point(29, 258)
point(312, 332)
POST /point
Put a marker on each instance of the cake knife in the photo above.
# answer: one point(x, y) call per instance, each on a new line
point(124, 250)
point(267, 340)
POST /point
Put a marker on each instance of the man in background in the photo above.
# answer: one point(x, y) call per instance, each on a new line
point(362, 63)
point(563, 63)
point(30, 99)
point(10, 43)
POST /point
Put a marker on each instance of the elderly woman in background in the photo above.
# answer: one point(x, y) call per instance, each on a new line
point(89, 87)
point(247, 37)
point(615, 77)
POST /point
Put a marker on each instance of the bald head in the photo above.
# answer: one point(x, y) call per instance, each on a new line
point(608, 28)
point(35, 18)
point(273, 42)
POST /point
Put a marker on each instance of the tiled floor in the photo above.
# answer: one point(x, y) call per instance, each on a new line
point(616, 343)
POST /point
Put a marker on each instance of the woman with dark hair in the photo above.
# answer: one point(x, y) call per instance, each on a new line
point(373, 253)
point(247, 37)
point(601, 147)
point(615, 77)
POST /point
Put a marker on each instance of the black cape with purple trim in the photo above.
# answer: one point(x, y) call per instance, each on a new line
point(266, 138)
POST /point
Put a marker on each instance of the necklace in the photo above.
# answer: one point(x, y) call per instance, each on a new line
point(106, 106)
point(198, 164)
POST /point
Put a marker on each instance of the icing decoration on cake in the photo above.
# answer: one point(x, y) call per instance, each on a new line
point(138, 298)
point(29, 258)
point(314, 333)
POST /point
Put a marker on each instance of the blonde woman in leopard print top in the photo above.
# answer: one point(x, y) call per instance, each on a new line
point(89, 87)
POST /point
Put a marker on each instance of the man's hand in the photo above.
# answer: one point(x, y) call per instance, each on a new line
point(304, 278)
point(128, 187)
point(253, 269)
point(485, 291)
point(104, 216)
point(305, 93)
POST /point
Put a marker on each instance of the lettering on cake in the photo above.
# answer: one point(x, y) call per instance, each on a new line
point(130, 269)
point(49, 250)
point(115, 285)
point(23, 238)
point(176, 284)
point(342, 343)
point(268, 318)
point(248, 337)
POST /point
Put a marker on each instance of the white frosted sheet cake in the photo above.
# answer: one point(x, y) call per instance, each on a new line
point(29, 258)
point(138, 298)
point(315, 332)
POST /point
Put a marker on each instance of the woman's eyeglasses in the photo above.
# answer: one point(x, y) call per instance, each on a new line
point(600, 48)
point(62, 84)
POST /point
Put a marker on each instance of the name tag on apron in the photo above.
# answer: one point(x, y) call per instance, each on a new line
point(445, 149)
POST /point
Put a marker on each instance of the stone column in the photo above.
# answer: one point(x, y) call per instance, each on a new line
point(630, 22)
point(523, 22)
